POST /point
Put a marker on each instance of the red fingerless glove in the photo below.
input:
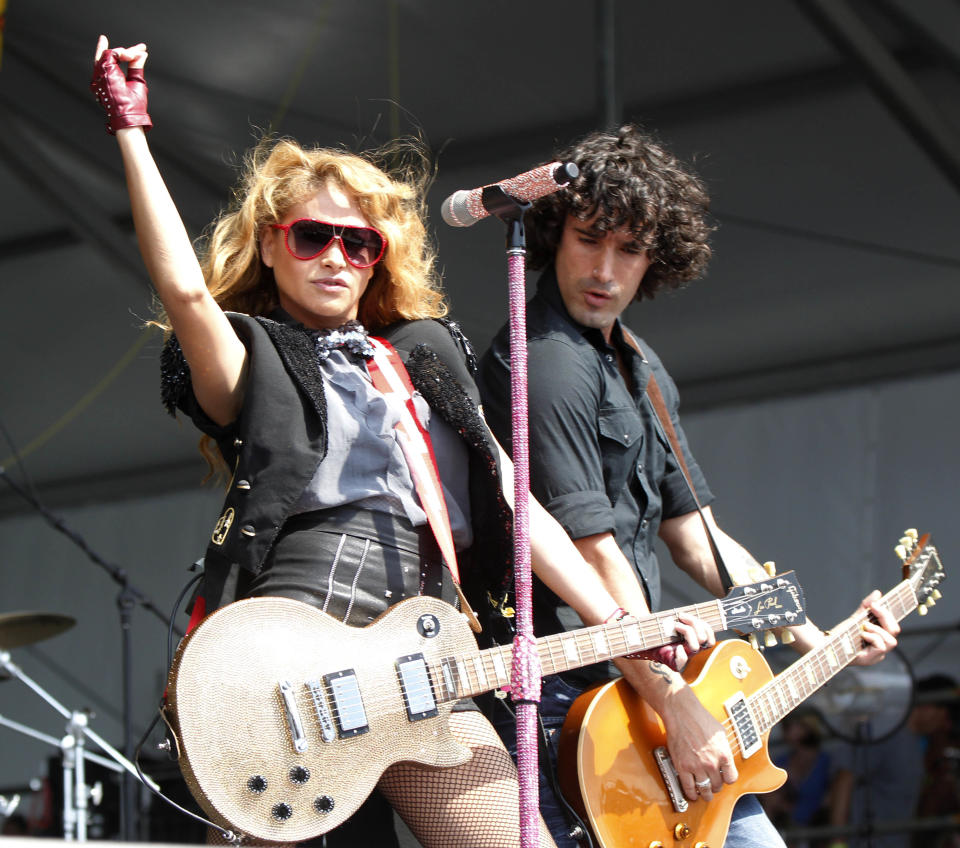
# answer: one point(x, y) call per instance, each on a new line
point(123, 98)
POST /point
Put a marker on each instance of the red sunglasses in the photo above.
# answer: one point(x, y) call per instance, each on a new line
point(307, 238)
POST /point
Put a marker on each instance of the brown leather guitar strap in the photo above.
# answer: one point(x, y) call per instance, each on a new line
point(665, 424)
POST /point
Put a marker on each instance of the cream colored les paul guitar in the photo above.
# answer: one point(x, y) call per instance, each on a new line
point(285, 719)
point(613, 761)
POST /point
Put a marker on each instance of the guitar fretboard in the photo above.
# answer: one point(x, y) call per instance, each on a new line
point(473, 674)
point(791, 687)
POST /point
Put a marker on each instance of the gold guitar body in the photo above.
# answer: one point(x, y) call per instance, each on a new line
point(231, 718)
point(613, 763)
point(609, 772)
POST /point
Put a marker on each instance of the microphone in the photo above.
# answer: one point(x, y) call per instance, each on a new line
point(465, 207)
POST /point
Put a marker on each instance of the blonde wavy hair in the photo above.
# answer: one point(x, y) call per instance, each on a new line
point(278, 174)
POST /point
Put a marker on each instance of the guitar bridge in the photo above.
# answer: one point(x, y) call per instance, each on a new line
point(294, 723)
point(670, 779)
point(327, 732)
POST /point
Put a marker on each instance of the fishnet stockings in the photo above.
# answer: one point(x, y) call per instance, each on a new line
point(475, 805)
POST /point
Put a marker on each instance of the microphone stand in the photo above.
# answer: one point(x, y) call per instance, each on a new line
point(525, 674)
point(864, 737)
point(128, 598)
point(76, 793)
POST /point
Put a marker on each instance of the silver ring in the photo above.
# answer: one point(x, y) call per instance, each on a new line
point(702, 784)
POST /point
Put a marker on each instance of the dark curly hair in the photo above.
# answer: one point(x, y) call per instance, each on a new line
point(629, 180)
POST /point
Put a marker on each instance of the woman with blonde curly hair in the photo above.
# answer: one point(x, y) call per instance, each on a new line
point(270, 360)
point(277, 175)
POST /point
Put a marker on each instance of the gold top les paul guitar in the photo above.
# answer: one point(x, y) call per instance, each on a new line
point(613, 761)
point(284, 719)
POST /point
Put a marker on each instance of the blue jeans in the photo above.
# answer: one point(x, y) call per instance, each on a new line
point(749, 826)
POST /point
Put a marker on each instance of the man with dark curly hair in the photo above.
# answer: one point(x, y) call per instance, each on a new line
point(633, 223)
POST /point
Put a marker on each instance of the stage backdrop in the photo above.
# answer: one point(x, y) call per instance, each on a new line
point(822, 483)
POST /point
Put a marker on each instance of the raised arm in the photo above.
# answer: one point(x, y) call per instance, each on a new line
point(217, 358)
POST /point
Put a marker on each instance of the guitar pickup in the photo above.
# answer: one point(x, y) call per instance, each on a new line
point(415, 685)
point(743, 724)
point(348, 709)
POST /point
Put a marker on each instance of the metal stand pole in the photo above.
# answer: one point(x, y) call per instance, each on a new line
point(126, 604)
point(76, 794)
point(525, 676)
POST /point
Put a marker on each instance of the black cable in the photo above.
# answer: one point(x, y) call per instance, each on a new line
point(229, 835)
point(118, 574)
point(173, 615)
point(574, 821)
point(15, 453)
point(127, 599)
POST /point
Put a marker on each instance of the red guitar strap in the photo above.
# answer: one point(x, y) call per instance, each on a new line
point(197, 613)
point(390, 378)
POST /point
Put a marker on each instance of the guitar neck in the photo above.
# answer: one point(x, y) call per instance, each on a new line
point(805, 676)
point(473, 674)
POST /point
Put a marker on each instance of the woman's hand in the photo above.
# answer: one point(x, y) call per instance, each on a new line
point(123, 96)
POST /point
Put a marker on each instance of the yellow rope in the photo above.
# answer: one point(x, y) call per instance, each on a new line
point(300, 69)
point(145, 335)
point(393, 65)
point(3, 21)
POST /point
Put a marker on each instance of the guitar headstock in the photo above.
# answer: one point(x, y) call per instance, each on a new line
point(921, 568)
point(775, 602)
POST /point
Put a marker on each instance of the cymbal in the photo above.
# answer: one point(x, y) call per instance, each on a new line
point(23, 628)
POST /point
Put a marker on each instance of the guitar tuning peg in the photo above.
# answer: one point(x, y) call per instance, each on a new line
point(931, 601)
point(769, 639)
point(935, 594)
point(752, 639)
point(907, 542)
point(912, 533)
point(786, 637)
point(770, 567)
point(921, 610)
point(900, 551)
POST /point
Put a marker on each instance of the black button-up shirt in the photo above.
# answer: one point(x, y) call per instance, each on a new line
point(597, 461)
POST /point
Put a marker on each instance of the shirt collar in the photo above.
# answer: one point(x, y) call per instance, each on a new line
point(281, 316)
point(549, 289)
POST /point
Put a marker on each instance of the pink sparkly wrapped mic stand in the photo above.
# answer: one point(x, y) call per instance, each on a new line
point(508, 201)
point(525, 674)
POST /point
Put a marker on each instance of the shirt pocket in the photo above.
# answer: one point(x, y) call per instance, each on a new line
point(621, 440)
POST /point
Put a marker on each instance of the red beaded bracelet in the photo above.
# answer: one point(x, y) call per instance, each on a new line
point(617, 615)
